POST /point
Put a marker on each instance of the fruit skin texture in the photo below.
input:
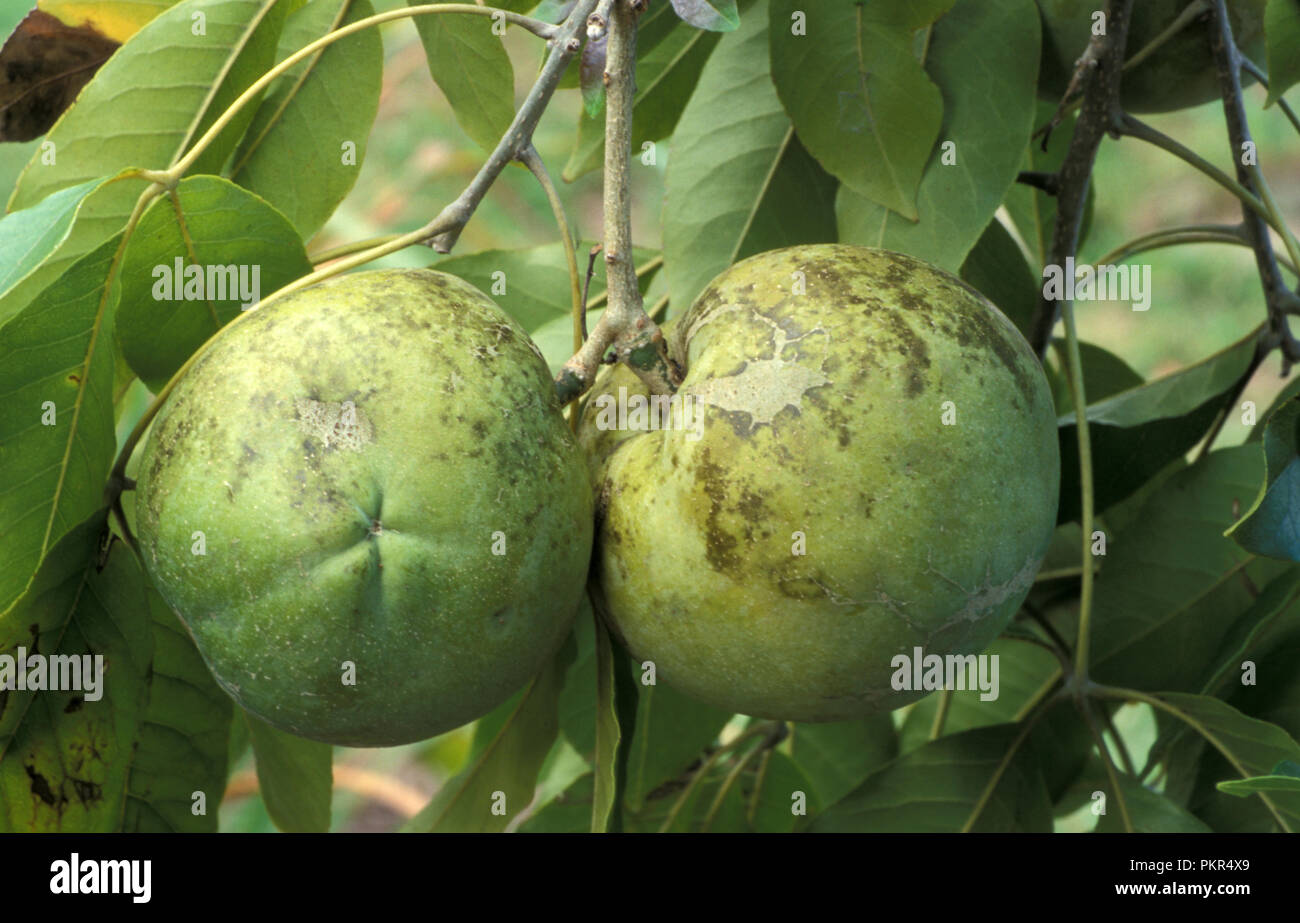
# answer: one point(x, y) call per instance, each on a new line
point(1180, 74)
point(822, 415)
point(367, 536)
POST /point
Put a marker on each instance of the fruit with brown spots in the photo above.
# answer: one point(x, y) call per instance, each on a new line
point(365, 506)
point(875, 469)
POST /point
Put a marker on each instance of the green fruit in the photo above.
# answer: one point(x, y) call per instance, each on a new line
point(385, 487)
point(823, 427)
point(1179, 74)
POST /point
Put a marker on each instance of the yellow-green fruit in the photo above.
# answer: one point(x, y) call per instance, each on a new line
point(364, 504)
point(874, 470)
point(1179, 74)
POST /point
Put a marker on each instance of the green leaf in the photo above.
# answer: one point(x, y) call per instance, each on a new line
point(738, 181)
point(1104, 374)
point(165, 83)
point(532, 285)
point(1251, 747)
point(1243, 788)
point(1258, 636)
point(988, 110)
point(1172, 582)
point(254, 54)
point(1060, 742)
point(28, 237)
point(1282, 31)
point(913, 15)
point(671, 731)
point(997, 268)
point(714, 15)
point(1283, 397)
point(778, 785)
point(56, 415)
point(65, 754)
point(669, 57)
point(859, 98)
point(95, 219)
point(577, 700)
point(1267, 690)
point(1149, 811)
point(509, 746)
point(295, 777)
point(1271, 618)
point(165, 90)
point(1139, 431)
point(695, 804)
point(184, 737)
point(836, 756)
point(211, 225)
point(471, 67)
point(569, 812)
point(1023, 671)
point(937, 788)
point(324, 104)
point(1271, 527)
point(608, 734)
point(41, 613)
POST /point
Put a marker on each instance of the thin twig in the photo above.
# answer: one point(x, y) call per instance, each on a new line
point(1108, 762)
point(591, 271)
point(635, 338)
point(1258, 73)
point(1278, 299)
point(1100, 113)
point(941, 713)
point(578, 294)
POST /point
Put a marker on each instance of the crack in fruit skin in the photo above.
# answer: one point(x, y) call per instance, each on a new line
point(912, 532)
point(349, 454)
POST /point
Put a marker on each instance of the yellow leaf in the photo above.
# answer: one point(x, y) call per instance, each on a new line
point(114, 19)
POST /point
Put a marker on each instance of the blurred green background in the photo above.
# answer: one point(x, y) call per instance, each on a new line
point(1204, 296)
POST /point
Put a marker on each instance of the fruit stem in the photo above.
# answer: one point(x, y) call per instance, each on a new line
point(941, 714)
point(625, 326)
point(1079, 399)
